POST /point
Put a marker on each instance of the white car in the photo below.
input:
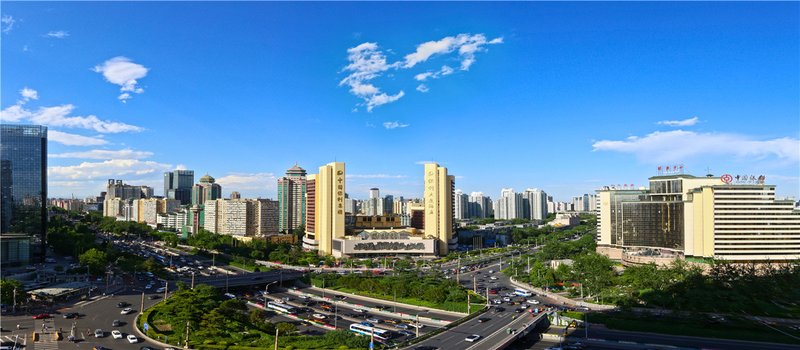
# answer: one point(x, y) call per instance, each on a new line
point(533, 301)
point(125, 311)
point(116, 334)
point(319, 316)
point(360, 310)
point(506, 299)
point(493, 278)
point(132, 339)
point(472, 338)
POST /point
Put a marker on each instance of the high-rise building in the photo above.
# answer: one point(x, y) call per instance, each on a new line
point(698, 217)
point(242, 217)
point(178, 185)
point(236, 195)
point(509, 206)
point(388, 205)
point(326, 209)
point(438, 193)
point(121, 190)
point(461, 205)
point(479, 206)
point(23, 206)
point(535, 204)
point(206, 190)
point(292, 199)
point(374, 205)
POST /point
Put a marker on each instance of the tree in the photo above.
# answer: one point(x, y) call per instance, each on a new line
point(96, 259)
point(7, 288)
point(285, 328)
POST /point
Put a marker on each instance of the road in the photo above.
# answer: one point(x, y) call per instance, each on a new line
point(454, 338)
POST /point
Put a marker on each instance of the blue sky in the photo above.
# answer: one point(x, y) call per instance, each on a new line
point(565, 97)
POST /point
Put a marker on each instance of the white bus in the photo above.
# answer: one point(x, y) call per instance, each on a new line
point(522, 292)
point(380, 334)
point(281, 307)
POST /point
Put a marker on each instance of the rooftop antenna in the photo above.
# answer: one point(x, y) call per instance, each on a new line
point(708, 172)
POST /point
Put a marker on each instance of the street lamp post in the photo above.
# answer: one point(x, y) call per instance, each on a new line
point(192, 279)
point(15, 300)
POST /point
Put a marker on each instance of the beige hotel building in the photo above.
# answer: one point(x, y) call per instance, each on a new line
point(698, 218)
point(325, 219)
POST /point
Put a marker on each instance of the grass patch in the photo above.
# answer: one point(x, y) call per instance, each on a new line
point(693, 325)
point(447, 305)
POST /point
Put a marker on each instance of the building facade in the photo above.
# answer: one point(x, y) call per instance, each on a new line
point(23, 189)
point(242, 217)
point(206, 190)
point(461, 205)
point(328, 211)
point(685, 216)
point(439, 211)
point(178, 185)
point(535, 204)
point(292, 199)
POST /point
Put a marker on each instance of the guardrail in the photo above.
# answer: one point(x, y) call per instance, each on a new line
point(561, 298)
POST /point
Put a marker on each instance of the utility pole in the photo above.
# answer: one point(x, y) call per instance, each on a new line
point(226, 280)
point(15, 300)
point(529, 263)
point(186, 342)
point(166, 290)
point(192, 279)
point(141, 306)
point(469, 305)
point(276, 338)
point(487, 297)
point(335, 313)
point(417, 326)
point(474, 285)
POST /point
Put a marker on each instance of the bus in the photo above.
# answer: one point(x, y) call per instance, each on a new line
point(522, 292)
point(361, 328)
point(281, 307)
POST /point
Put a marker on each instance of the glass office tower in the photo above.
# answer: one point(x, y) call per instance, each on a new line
point(23, 169)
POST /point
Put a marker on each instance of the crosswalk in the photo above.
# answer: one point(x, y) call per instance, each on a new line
point(46, 338)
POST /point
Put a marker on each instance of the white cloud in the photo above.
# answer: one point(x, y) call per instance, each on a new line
point(422, 88)
point(27, 95)
point(679, 145)
point(367, 62)
point(423, 162)
point(58, 34)
point(685, 122)
point(466, 44)
point(107, 169)
point(249, 184)
point(7, 23)
point(375, 176)
point(105, 154)
point(180, 167)
point(125, 73)
point(73, 139)
point(394, 125)
point(59, 116)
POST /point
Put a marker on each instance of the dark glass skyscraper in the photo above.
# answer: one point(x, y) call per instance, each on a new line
point(23, 171)
point(178, 185)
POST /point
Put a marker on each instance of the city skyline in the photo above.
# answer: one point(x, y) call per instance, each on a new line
point(502, 95)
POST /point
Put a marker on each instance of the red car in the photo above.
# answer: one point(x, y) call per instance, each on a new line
point(41, 316)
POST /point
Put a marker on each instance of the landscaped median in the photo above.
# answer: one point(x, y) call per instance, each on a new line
point(402, 315)
point(406, 288)
point(216, 323)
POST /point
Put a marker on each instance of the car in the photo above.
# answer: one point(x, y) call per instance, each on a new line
point(425, 347)
point(304, 297)
point(499, 309)
point(100, 347)
point(41, 316)
point(98, 333)
point(154, 297)
point(491, 271)
point(483, 319)
point(506, 299)
point(340, 297)
point(533, 301)
point(519, 310)
point(373, 320)
point(391, 320)
point(116, 323)
point(319, 316)
point(401, 326)
point(366, 324)
point(125, 311)
point(417, 325)
point(147, 348)
point(116, 334)
point(123, 304)
point(472, 338)
point(71, 315)
point(359, 310)
point(161, 290)
point(132, 339)
point(493, 278)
